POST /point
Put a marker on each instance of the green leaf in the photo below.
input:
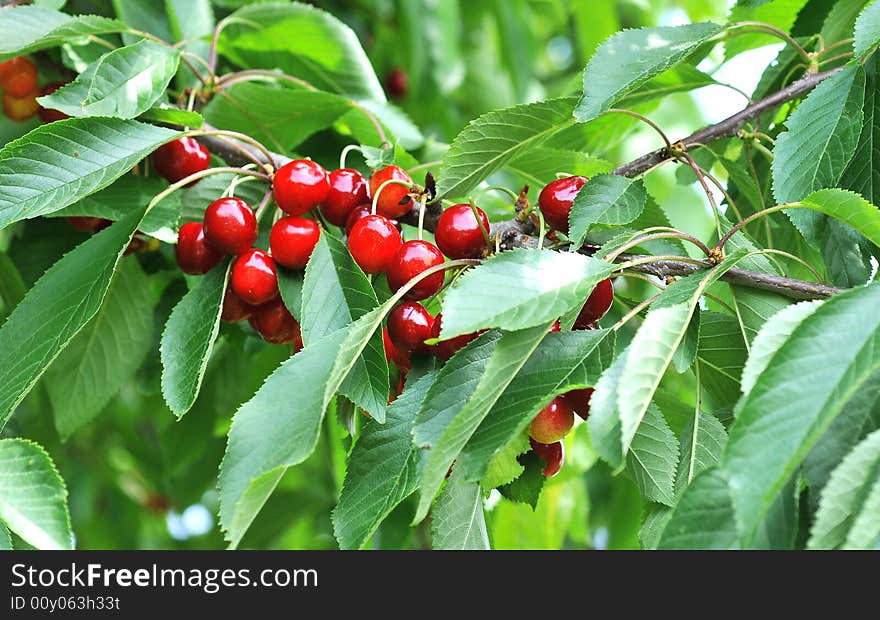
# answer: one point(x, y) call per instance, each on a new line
point(382, 469)
point(703, 518)
point(722, 354)
point(518, 289)
point(5, 539)
point(702, 443)
point(653, 457)
point(604, 420)
point(189, 338)
point(457, 521)
point(12, 287)
point(33, 500)
point(105, 354)
point(865, 531)
point(821, 138)
point(526, 488)
point(489, 142)
point(797, 397)
point(843, 498)
point(504, 467)
point(164, 113)
point(607, 199)
point(630, 58)
point(58, 306)
point(779, 13)
point(867, 30)
point(123, 83)
point(335, 293)
point(538, 166)
point(26, 29)
point(57, 164)
point(846, 207)
point(324, 52)
point(290, 283)
point(863, 173)
point(681, 78)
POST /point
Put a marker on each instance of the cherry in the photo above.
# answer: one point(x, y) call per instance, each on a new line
point(553, 455)
point(253, 277)
point(413, 258)
point(50, 115)
point(84, 223)
point(447, 348)
point(553, 422)
point(20, 109)
point(275, 324)
point(374, 243)
point(409, 325)
point(356, 215)
point(348, 189)
point(18, 77)
point(180, 158)
point(458, 233)
point(393, 354)
point(292, 241)
point(579, 400)
point(596, 306)
point(556, 198)
point(234, 308)
point(195, 255)
point(391, 197)
point(556, 327)
point(230, 225)
point(397, 83)
point(300, 185)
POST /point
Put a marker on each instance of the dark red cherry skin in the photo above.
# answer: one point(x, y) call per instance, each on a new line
point(556, 198)
point(274, 323)
point(180, 158)
point(84, 223)
point(553, 422)
point(234, 308)
point(458, 233)
point(195, 255)
point(397, 83)
point(579, 401)
point(556, 327)
point(413, 258)
point(356, 215)
point(253, 277)
point(230, 225)
point(447, 348)
point(391, 196)
point(300, 185)
point(292, 241)
point(409, 325)
point(552, 454)
point(374, 243)
point(596, 306)
point(393, 354)
point(18, 77)
point(50, 115)
point(348, 189)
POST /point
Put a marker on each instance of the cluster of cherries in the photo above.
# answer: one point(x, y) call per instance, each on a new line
point(18, 80)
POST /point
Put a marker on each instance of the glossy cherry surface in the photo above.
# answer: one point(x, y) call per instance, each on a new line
point(374, 243)
point(195, 255)
point(300, 185)
point(393, 354)
point(18, 77)
point(458, 233)
point(234, 308)
point(596, 306)
point(579, 400)
point(413, 258)
point(553, 455)
point(253, 277)
point(348, 189)
point(274, 322)
point(553, 422)
point(409, 325)
point(230, 225)
point(357, 214)
point(292, 240)
point(50, 115)
point(556, 198)
point(180, 158)
point(391, 195)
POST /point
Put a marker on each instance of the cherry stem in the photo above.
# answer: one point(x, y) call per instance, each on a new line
point(709, 196)
point(238, 180)
point(746, 27)
point(264, 204)
point(833, 46)
point(215, 38)
point(479, 221)
point(563, 175)
point(348, 149)
point(542, 230)
point(635, 311)
point(223, 134)
point(499, 188)
point(635, 275)
point(645, 120)
point(754, 216)
point(422, 210)
point(793, 257)
point(201, 174)
point(646, 260)
point(201, 61)
point(671, 234)
point(383, 186)
point(724, 192)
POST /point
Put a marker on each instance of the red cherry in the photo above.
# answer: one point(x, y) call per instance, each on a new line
point(553, 422)
point(409, 325)
point(195, 255)
point(274, 323)
point(292, 241)
point(596, 306)
point(253, 277)
point(553, 455)
point(348, 189)
point(20, 109)
point(391, 196)
point(180, 158)
point(230, 225)
point(234, 308)
point(393, 354)
point(356, 215)
point(579, 400)
point(458, 233)
point(373, 243)
point(18, 77)
point(413, 258)
point(84, 223)
point(397, 83)
point(556, 198)
point(300, 185)
point(556, 327)
point(50, 115)
point(447, 348)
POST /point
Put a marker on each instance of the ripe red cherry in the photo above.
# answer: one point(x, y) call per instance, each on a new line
point(413, 258)
point(230, 225)
point(447, 348)
point(373, 243)
point(356, 215)
point(348, 189)
point(397, 83)
point(552, 454)
point(579, 400)
point(556, 327)
point(556, 198)
point(292, 241)
point(553, 422)
point(195, 255)
point(409, 325)
point(300, 185)
point(50, 115)
point(20, 109)
point(84, 223)
point(458, 233)
point(18, 77)
point(234, 308)
point(596, 306)
point(391, 196)
point(253, 277)
point(180, 158)
point(393, 354)
point(274, 323)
